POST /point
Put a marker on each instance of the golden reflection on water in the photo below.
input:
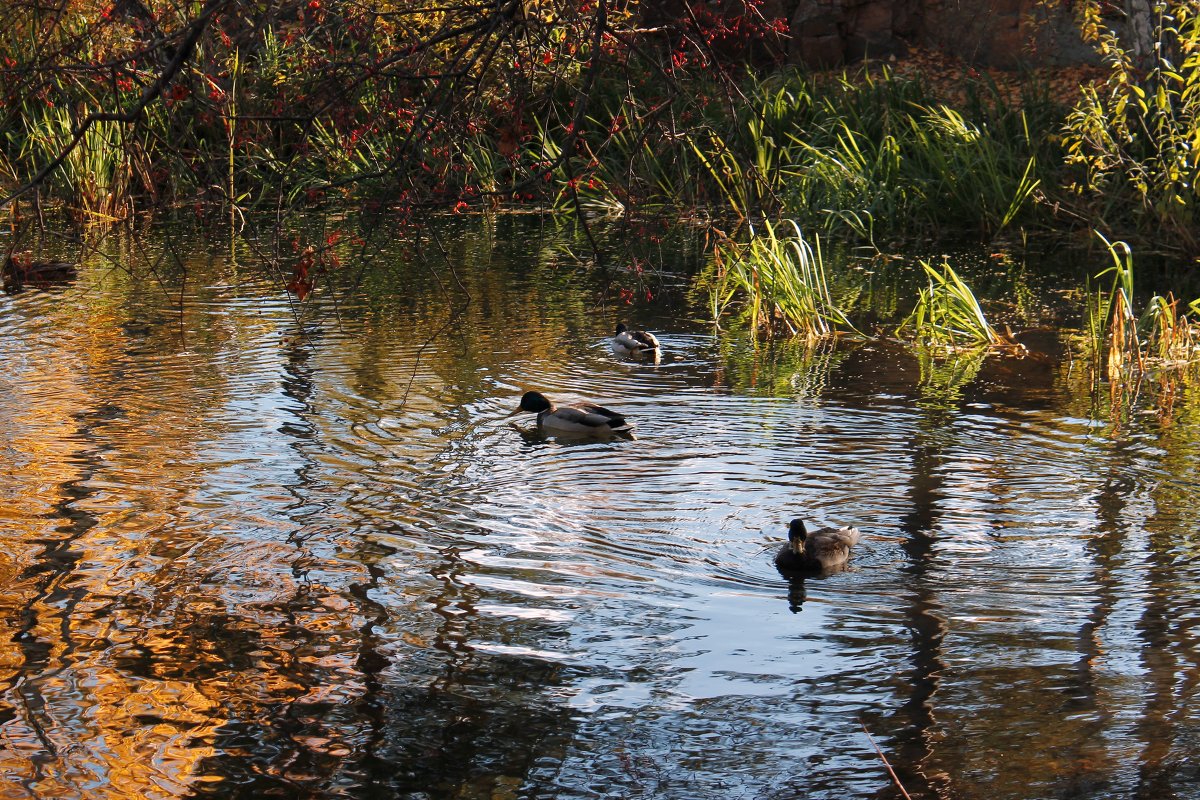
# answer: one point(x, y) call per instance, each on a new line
point(253, 550)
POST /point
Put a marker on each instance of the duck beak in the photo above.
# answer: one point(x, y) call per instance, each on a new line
point(514, 412)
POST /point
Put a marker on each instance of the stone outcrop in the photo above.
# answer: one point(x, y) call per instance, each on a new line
point(1001, 33)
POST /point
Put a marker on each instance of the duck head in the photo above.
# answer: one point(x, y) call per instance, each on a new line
point(797, 533)
point(620, 329)
point(535, 402)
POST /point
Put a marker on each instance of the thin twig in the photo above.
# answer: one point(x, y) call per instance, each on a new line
point(149, 93)
point(883, 758)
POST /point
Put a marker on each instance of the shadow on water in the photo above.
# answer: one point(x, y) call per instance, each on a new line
point(916, 765)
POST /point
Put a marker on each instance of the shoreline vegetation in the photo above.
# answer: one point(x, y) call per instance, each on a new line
point(118, 109)
point(111, 113)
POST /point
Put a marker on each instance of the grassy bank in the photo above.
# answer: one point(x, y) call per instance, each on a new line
point(581, 109)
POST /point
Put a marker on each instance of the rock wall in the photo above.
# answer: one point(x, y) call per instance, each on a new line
point(1003, 33)
point(827, 33)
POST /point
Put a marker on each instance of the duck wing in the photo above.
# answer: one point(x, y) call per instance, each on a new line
point(599, 416)
point(843, 537)
point(831, 546)
point(645, 340)
point(625, 341)
point(637, 341)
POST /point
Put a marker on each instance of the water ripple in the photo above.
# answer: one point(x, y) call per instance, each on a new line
point(306, 550)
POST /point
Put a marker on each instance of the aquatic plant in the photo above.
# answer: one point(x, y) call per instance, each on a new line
point(948, 314)
point(885, 151)
point(860, 152)
point(1120, 343)
point(781, 281)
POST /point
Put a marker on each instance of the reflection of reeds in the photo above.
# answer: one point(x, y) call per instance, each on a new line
point(798, 368)
point(944, 378)
point(782, 281)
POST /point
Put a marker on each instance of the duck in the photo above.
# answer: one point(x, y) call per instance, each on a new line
point(634, 343)
point(819, 550)
point(20, 271)
point(579, 418)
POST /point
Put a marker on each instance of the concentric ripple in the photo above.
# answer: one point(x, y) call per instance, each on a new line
point(250, 549)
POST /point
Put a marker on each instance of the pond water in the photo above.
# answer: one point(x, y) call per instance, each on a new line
point(255, 550)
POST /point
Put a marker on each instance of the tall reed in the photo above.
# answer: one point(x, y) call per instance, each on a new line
point(948, 314)
point(781, 281)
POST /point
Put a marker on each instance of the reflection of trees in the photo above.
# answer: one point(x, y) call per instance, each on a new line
point(1161, 693)
point(1105, 551)
point(72, 699)
point(478, 723)
point(45, 640)
point(410, 699)
point(1146, 516)
point(1166, 625)
point(916, 743)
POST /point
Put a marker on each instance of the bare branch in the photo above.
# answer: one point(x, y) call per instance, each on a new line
point(149, 94)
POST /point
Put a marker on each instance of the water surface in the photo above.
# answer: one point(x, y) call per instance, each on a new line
point(252, 548)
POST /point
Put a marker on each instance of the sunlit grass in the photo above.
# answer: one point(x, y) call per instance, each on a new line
point(780, 281)
point(96, 172)
point(948, 314)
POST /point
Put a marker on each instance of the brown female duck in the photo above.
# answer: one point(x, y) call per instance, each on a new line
point(819, 550)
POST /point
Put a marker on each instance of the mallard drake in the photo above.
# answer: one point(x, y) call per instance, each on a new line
point(634, 343)
point(822, 549)
point(579, 418)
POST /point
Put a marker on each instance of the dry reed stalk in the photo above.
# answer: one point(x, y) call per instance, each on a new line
point(883, 758)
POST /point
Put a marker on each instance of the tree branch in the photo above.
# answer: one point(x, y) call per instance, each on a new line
point(149, 94)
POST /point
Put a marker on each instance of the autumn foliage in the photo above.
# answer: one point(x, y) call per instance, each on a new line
point(120, 106)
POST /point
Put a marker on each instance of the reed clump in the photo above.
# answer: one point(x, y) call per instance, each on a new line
point(949, 316)
point(1122, 345)
point(780, 280)
point(781, 285)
